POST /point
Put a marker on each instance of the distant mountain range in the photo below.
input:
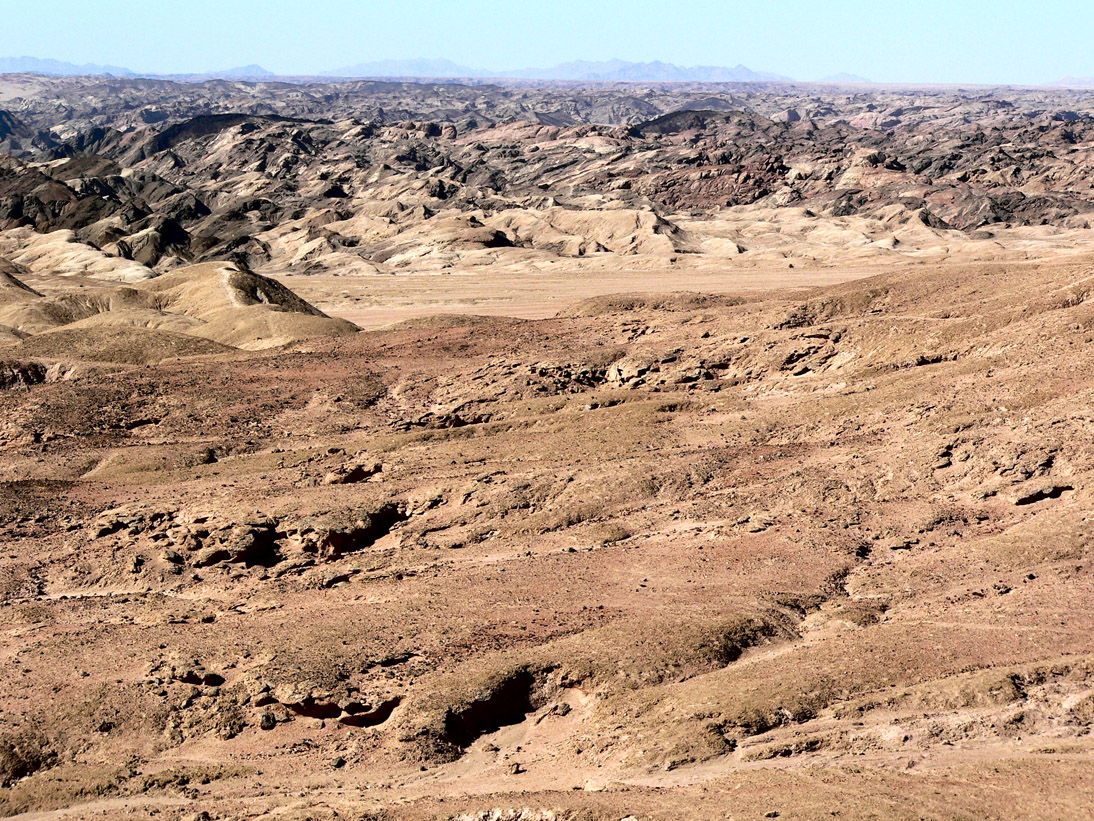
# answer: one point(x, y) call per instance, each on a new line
point(608, 71)
point(656, 72)
point(603, 71)
point(251, 72)
point(57, 68)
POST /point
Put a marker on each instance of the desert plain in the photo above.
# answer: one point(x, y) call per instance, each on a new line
point(379, 450)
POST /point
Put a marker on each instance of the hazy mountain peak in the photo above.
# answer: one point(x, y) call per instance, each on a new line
point(245, 71)
point(56, 68)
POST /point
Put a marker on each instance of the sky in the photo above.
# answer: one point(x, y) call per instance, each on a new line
point(956, 41)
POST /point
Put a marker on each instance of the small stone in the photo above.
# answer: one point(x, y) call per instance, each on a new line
point(352, 474)
point(1040, 494)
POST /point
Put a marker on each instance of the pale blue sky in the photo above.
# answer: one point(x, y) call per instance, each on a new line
point(964, 41)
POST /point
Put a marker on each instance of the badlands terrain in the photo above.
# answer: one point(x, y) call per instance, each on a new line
point(541, 451)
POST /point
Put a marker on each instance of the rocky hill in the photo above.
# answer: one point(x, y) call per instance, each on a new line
point(288, 193)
